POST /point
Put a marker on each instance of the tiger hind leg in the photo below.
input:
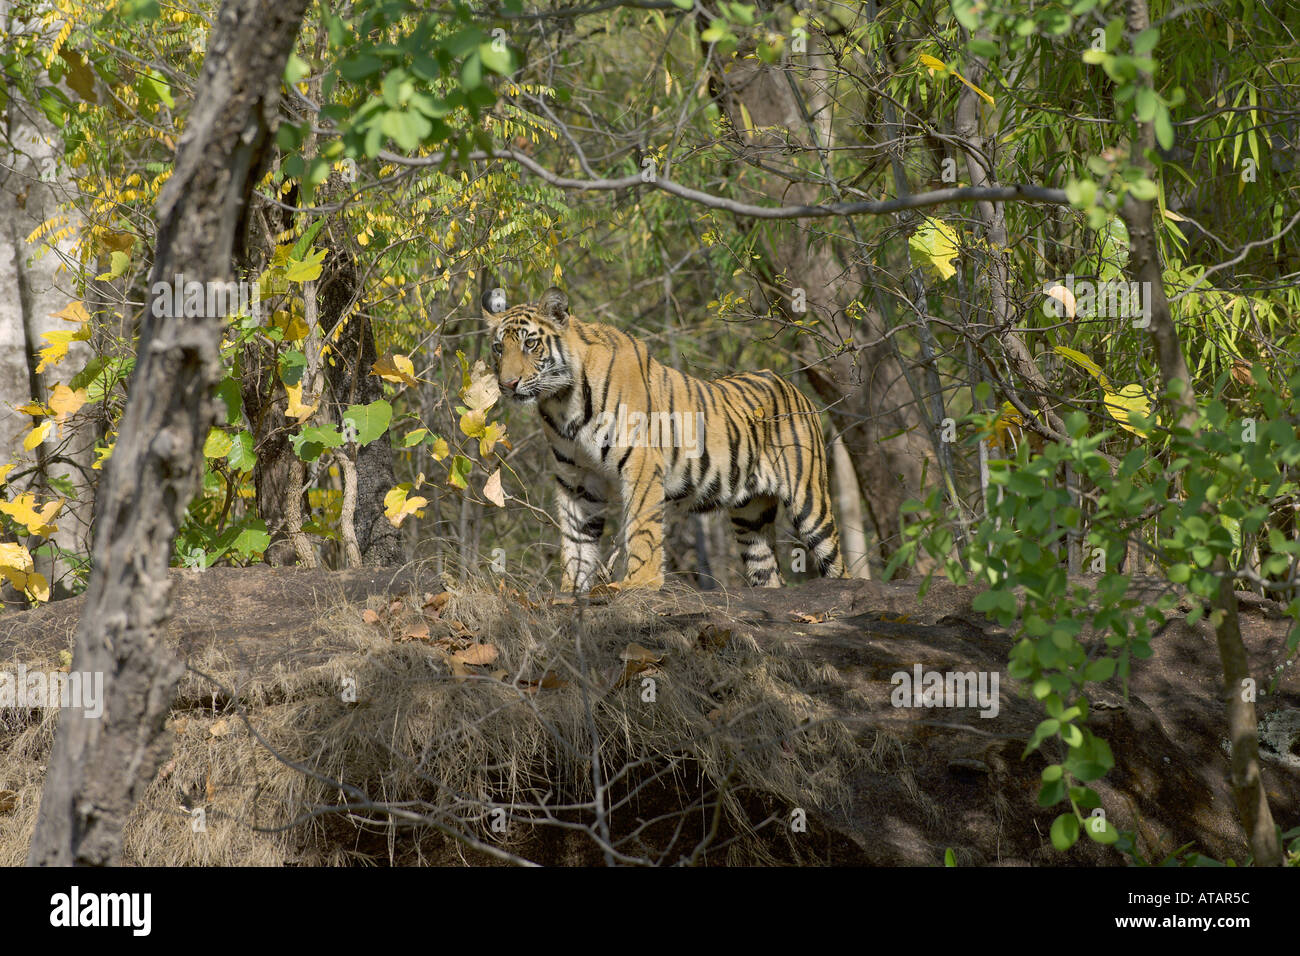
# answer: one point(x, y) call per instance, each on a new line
point(755, 527)
point(814, 522)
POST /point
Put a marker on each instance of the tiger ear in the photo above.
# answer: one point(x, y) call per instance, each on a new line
point(555, 305)
point(494, 303)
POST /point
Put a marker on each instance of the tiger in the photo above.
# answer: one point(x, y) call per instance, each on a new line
point(623, 426)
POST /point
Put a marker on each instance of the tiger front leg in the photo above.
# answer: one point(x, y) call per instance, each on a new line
point(643, 520)
point(582, 519)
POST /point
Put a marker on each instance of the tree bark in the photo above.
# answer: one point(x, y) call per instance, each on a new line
point(352, 384)
point(99, 768)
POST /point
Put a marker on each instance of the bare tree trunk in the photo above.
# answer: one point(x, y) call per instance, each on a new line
point(33, 182)
point(848, 502)
point(99, 768)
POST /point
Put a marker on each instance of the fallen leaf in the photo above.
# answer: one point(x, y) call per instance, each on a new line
point(369, 616)
point(477, 654)
point(434, 603)
point(641, 655)
point(417, 632)
point(808, 618)
point(8, 801)
point(220, 729)
point(713, 638)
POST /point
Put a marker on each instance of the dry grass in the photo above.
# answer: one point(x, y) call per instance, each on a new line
point(702, 755)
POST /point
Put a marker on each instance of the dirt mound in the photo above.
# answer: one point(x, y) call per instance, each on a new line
point(364, 717)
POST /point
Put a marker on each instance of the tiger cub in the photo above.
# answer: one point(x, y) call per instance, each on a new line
point(623, 426)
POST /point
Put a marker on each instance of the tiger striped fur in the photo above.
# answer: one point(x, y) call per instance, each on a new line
point(757, 443)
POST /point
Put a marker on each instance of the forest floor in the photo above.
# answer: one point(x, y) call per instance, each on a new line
point(374, 717)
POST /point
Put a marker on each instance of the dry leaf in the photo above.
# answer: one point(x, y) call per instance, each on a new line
point(416, 632)
point(713, 638)
point(8, 801)
point(641, 655)
point(434, 603)
point(220, 729)
point(548, 681)
point(477, 654)
point(369, 616)
point(492, 490)
point(808, 618)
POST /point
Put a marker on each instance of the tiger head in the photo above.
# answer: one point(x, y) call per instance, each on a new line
point(528, 346)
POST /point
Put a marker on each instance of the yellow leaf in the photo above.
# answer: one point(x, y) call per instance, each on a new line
point(933, 62)
point(296, 409)
point(493, 433)
point(396, 369)
point(1078, 358)
point(64, 402)
point(56, 351)
point(34, 408)
point(15, 557)
point(935, 243)
point(473, 424)
point(72, 312)
point(4, 471)
point(1129, 399)
point(23, 510)
point(304, 270)
point(37, 435)
point(293, 326)
point(36, 587)
point(492, 490)
point(1008, 423)
point(440, 450)
point(398, 507)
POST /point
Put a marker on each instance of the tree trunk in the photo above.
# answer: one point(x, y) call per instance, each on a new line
point(33, 183)
point(99, 768)
point(352, 384)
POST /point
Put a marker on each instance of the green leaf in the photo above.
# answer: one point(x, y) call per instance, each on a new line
point(408, 128)
point(253, 541)
point(1065, 831)
point(295, 69)
point(242, 456)
point(370, 421)
point(471, 72)
point(228, 392)
point(1164, 128)
point(459, 475)
point(499, 60)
